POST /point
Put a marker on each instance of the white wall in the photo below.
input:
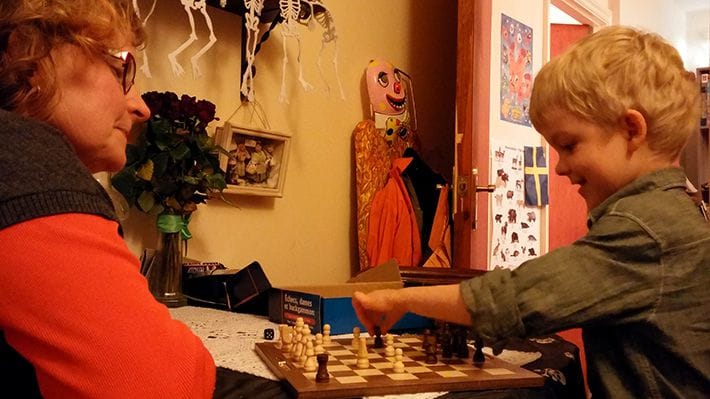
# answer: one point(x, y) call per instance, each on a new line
point(309, 235)
point(684, 23)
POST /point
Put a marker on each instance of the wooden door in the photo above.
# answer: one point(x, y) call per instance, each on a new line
point(473, 67)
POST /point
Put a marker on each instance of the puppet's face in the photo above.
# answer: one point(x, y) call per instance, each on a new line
point(387, 94)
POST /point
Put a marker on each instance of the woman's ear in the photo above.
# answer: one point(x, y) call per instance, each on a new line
point(634, 125)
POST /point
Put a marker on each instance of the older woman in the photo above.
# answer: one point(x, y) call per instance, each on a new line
point(76, 317)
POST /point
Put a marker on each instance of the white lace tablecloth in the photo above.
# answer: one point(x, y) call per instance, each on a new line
point(230, 338)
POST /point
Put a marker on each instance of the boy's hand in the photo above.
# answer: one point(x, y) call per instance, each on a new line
point(378, 308)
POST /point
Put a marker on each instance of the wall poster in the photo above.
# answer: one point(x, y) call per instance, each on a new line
point(515, 225)
point(515, 71)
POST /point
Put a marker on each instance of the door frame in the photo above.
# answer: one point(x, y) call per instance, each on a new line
point(472, 137)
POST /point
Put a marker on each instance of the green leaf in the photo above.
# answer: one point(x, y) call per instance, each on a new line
point(160, 164)
point(216, 181)
point(124, 182)
point(146, 201)
point(180, 152)
point(145, 172)
point(191, 180)
point(156, 210)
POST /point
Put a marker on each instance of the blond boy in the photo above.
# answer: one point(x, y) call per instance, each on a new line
point(618, 107)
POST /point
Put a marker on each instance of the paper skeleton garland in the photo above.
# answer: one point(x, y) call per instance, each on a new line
point(318, 13)
point(292, 12)
point(311, 13)
point(189, 5)
point(251, 21)
point(145, 68)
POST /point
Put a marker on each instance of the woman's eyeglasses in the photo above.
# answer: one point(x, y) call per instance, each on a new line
point(128, 76)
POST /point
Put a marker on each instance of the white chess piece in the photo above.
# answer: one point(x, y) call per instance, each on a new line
point(326, 334)
point(302, 356)
point(398, 366)
point(362, 360)
point(287, 339)
point(355, 343)
point(389, 352)
point(280, 342)
point(310, 363)
point(299, 324)
point(319, 339)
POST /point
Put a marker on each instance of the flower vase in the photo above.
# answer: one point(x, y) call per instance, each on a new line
point(165, 275)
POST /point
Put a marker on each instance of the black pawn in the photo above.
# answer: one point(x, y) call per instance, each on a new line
point(322, 373)
point(478, 357)
point(460, 344)
point(445, 339)
point(378, 338)
point(425, 339)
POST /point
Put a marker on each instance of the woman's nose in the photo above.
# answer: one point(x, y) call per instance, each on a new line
point(136, 106)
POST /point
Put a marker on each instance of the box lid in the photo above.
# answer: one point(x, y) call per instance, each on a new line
point(383, 276)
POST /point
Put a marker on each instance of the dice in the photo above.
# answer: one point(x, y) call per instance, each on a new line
point(269, 333)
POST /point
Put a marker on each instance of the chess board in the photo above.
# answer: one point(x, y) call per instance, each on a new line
point(346, 380)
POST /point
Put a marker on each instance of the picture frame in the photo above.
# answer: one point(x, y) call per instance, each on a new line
point(259, 162)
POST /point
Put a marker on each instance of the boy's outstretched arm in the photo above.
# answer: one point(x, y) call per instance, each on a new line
point(384, 307)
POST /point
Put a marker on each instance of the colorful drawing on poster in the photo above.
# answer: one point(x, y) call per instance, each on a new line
point(515, 71)
point(515, 233)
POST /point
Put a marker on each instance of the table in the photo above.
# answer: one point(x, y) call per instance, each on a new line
point(230, 338)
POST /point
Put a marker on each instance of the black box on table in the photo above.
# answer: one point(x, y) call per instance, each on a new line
point(242, 290)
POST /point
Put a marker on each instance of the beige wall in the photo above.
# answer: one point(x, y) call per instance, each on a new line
point(307, 236)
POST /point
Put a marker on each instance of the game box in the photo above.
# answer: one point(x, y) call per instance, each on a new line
point(332, 304)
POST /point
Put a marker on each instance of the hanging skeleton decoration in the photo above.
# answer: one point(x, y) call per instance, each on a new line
point(310, 13)
point(251, 21)
point(290, 11)
point(190, 5)
point(145, 68)
point(316, 12)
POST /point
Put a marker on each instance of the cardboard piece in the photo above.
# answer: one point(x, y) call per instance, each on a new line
point(332, 304)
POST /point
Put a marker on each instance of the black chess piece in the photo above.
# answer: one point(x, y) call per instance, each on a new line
point(425, 341)
point(322, 373)
point(269, 333)
point(431, 348)
point(445, 340)
point(460, 343)
point(379, 343)
point(478, 357)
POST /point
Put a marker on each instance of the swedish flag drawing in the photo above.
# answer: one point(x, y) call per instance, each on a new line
point(536, 174)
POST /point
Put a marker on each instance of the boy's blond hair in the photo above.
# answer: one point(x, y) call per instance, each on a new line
point(615, 69)
point(30, 29)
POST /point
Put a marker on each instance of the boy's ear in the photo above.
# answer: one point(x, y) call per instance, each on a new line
point(635, 127)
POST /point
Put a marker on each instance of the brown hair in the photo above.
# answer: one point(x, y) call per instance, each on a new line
point(615, 69)
point(30, 29)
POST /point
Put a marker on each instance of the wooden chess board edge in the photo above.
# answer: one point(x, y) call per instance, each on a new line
point(307, 389)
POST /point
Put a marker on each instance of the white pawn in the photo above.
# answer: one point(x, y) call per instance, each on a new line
point(297, 350)
point(299, 325)
point(280, 341)
point(319, 339)
point(326, 334)
point(362, 360)
point(287, 340)
point(302, 357)
point(355, 343)
point(310, 363)
point(398, 366)
point(389, 349)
